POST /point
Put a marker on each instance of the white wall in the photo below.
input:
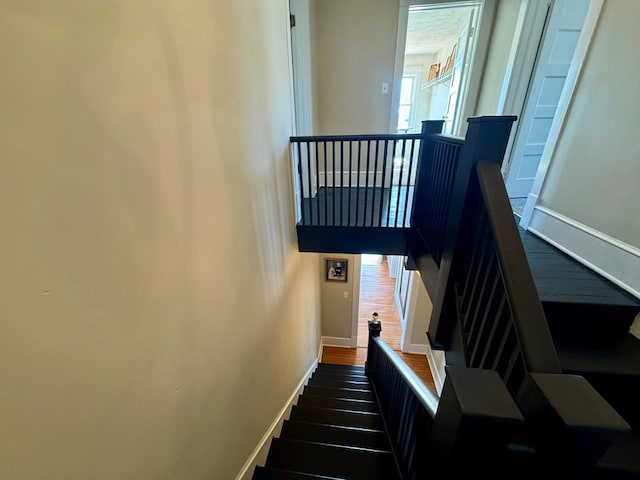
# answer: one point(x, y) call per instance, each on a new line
point(592, 181)
point(156, 315)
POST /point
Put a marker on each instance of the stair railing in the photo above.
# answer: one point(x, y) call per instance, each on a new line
point(469, 426)
point(445, 168)
point(356, 180)
point(487, 315)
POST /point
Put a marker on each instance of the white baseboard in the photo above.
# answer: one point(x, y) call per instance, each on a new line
point(259, 455)
point(415, 348)
point(436, 362)
point(615, 260)
point(344, 342)
point(320, 347)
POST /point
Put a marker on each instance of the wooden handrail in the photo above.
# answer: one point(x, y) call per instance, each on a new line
point(470, 425)
point(534, 337)
point(443, 137)
point(425, 395)
point(356, 138)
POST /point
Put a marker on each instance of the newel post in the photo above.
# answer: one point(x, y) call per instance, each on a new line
point(570, 423)
point(474, 424)
point(425, 153)
point(375, 327)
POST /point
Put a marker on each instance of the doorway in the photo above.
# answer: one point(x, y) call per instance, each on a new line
point(564, 22)
point(377, 294)
point(434, 57)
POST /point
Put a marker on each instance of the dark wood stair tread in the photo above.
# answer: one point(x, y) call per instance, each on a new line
point(560, 278)
point(335, 435)
point(332, 416)
point(330, 460)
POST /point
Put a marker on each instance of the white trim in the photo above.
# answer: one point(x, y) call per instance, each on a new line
point(320, 349)
point(300, 41)
point(415, 72)
point(415, 348)
point(617, 261)
point(472, 94)
point(342, 342)
point(259, 454)
point(355, 298)
point(591, 231)
point(398, 67)
point(520, 66)
point(522, 57)
point(471, 91)
point(411, 302)
point(573, 75)
point(437, 369)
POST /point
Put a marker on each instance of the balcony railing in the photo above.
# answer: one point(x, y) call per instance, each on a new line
point(357, 180)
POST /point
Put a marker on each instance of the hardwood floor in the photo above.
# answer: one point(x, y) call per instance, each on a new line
point(377, 295)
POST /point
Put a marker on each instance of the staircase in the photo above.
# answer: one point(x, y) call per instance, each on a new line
point(589, 318)
point(334, 431)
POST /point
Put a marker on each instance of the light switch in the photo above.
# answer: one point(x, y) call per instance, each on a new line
point(345, 294)
point(385, 87)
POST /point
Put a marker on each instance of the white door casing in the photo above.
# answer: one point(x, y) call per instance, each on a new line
point(476, 62)
point(459, 80)
point(553, 62)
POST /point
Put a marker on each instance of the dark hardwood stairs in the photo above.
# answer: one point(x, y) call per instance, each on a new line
point(335, 431)
point(589, 318)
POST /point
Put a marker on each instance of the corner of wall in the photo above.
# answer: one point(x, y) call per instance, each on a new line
point(259, 455)
point(436, 360)
point(635, 327)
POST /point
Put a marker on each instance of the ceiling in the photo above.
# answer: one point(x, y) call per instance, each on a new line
point(431, 30)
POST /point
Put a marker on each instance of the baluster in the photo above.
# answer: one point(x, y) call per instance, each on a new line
point(317, 184)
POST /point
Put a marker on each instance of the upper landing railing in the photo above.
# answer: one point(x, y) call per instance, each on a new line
point(357, 180)
point(364, 188)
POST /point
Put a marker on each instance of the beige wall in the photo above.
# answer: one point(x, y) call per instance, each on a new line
point(156, 315)
point(594, 172)
point(337, 311)
point(354, 47)
point(497, 58)
point(422, 313)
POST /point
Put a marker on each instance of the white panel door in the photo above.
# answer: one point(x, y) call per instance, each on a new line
point(561, 38)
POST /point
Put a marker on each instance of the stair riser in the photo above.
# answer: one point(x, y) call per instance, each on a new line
point(330, 461)
point(598, 322)
point(341, 375)
point(330, 382)
point(340, 368)
point(334, 435)
point(336, 417)
point(338, 393)
point(267, 473)
point(357, 405)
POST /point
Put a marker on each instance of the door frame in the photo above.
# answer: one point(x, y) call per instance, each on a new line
point(579, 56)
point(531, 23)
point(477, 62)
